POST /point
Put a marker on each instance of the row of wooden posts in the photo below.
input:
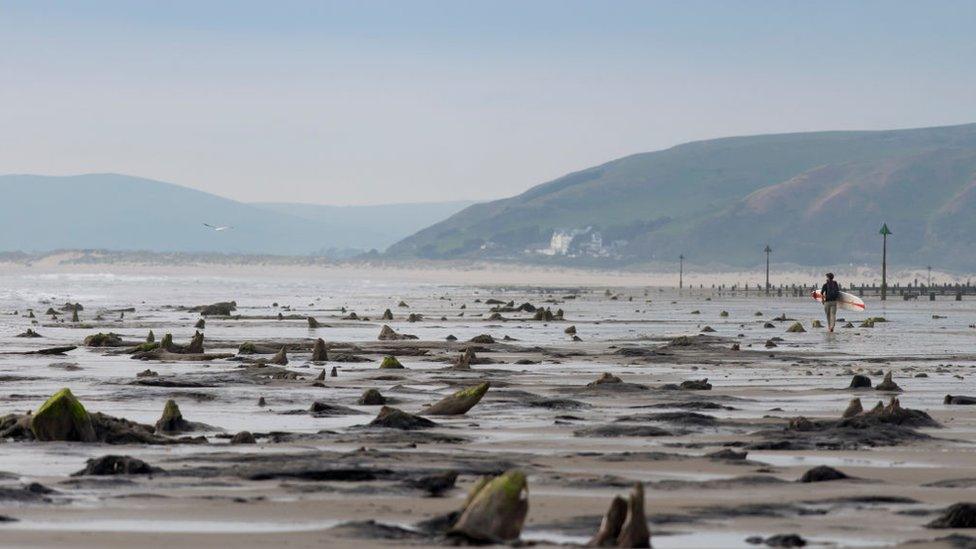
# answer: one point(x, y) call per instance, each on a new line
point(907, 292)
point(910, 291)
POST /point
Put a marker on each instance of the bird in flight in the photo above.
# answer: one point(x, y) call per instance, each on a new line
point(218, 229)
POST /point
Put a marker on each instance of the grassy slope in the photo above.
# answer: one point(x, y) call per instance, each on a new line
point(712, 195)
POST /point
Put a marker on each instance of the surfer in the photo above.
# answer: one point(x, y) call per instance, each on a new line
point(830, 293)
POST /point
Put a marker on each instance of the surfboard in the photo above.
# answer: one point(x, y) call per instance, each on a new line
point(846, 301)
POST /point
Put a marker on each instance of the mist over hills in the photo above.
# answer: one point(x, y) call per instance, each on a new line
point(370, 227)
point(119, 212)
point(816, 198)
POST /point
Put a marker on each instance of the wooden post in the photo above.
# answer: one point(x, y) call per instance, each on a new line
point(884, 261)
point(768, 251)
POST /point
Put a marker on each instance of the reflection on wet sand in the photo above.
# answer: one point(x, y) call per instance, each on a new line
point(718, 427)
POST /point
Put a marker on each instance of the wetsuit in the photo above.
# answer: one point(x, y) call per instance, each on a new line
point(831, 293)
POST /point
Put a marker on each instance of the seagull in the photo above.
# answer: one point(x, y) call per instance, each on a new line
point(218, 229)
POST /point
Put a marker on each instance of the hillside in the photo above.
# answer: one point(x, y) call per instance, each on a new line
point(816, 198)
point(118, 212)
point(370, 227)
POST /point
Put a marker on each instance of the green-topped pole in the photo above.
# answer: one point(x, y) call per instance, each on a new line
point(681, 271)
point(885, 231)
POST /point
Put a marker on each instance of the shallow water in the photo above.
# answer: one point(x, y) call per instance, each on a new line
point(190, 526)
point(911, 332)
point(913, 341)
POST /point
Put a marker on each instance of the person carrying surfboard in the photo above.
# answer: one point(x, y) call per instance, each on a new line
point(833, 298)
point(830, 293)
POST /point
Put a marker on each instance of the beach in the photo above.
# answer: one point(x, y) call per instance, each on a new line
point(707, 419)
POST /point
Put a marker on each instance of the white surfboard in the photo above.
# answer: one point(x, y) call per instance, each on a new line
point(846, 301)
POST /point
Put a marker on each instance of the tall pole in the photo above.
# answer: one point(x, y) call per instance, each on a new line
point(885, 231)
point(681, 271)
point(929, 283)
point(768, 251)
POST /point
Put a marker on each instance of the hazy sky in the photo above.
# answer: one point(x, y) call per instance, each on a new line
point(402, 101)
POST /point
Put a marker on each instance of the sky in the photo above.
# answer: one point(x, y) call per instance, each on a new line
point(370, 102)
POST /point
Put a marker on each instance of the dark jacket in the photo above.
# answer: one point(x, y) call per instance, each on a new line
point(831, 291)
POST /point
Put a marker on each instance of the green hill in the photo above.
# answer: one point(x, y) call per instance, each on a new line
point(816, 198)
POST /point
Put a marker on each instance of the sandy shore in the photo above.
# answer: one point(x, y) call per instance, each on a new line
point(313, 480)
point(482, 273)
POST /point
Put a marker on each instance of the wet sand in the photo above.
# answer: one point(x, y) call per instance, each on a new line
point(309, 475)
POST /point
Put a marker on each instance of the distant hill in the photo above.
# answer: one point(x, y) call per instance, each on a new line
point(119, 212)
point(370, 227)
point(816, 198)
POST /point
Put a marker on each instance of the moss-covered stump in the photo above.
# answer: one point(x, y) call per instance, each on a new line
point(696, 385)
point(280, 358)
point(160, 354)
point(371, 397)
point(854, 408)
point(104, 340)
point(957, 515)
point(796, 328)
point(172, 419)
point(114, 430)
point(860, 381)
point(319, 352)
point(243, 437)
point(391, 363)
point(144, 347)
point(395, 418)
point(496, 509)
point(634, 532)
point(543, 315)
point(959, 400)
point(607, 377)
point(196, 344)
point(870, 322)
point(465, 360)
point(116, 465)
point(458, 403)
point(612, 522)
point(888, 385)
point(223, 308)
point(62, 417)
point(247, 348)
point(16, 427)
point(107, 429)
point(388, 334)
point(172, 422)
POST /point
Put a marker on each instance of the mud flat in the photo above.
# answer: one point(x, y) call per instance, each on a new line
point(741, 435)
